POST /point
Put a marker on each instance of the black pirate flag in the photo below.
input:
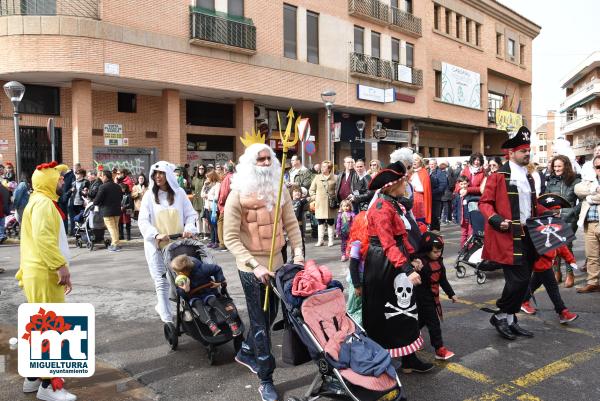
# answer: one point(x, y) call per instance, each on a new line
point(549, 232)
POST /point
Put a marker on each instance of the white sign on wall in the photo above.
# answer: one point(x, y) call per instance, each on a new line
point(461, 87)
point(404, 74)
point(113, 135)
point(375, 94)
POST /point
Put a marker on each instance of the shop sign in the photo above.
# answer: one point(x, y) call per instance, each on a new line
point(197, 157)
point(113, 135)
point(507, 121)
point(378, 95)
point(3, 144)
point(112, 69)
point(461, 87)
point(404, 98)
point(393, 135)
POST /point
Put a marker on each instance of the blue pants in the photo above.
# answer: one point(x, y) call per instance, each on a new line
point(456, 208)
point(258, 340)
point(2, 228)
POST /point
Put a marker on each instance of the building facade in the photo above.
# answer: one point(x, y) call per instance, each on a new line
point(182, 80)
point(581, 107)
point(542, 140)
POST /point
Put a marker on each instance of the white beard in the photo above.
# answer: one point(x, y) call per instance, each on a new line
point(262, 181)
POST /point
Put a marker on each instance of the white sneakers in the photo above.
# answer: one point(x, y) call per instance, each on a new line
point(47, 394)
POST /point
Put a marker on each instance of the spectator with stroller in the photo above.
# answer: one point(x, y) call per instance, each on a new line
point(343, 225)
point(507, 202)
point(21, 196)
point(126, 213)
point(588, 192)
point(439, 184)
point(76, 203)
point(433, 276)
point(95, 183)
point(137, 194)
point(166, 210)
point(322, 190)
point(198, 180)
point(248, 231)
point(475, 173)
point(200, 290)
point(562, 181)
point(108, 200)
point(224, 191)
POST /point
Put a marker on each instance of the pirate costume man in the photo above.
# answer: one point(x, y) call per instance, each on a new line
point(507, 202)
point(389, 305)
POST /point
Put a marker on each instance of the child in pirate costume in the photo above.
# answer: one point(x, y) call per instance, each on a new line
point(507, 202)
point(389, 307)
point(433, 276)
point(542, 268)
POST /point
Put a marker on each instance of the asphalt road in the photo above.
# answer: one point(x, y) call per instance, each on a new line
point(134, 361)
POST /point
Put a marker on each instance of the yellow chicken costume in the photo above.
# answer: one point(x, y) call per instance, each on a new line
point(44, 246)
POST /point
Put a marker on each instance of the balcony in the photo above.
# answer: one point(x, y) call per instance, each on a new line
point(579, 123)
point(405, 22)
point(223, 31)
point(79, 8)
point(581, 97)
point(376, 69)
point(373, 10)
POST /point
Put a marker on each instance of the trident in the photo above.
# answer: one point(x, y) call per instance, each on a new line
point(288, 141)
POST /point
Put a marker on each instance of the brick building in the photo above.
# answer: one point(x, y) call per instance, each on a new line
point(581, 107)
point(181, 80)
point(542, 139)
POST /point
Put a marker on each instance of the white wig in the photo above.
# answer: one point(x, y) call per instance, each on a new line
point(404, 155)
point(252, 179)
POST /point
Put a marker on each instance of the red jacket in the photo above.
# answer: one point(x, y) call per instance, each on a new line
point(496, 205)
point(475, 181)
point(224, 192)
point(545, 261)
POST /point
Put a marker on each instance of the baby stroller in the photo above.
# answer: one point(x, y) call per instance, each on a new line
point(89, 229)
point(194, 327)
point(11, 226)
point(320, 317)
point(470, 254)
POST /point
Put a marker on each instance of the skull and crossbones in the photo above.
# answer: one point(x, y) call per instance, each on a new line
point(550, 230)
point(403, 289)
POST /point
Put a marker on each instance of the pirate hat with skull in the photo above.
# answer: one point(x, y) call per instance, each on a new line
point(388, 176)
point(520, 141)
point(553, 201)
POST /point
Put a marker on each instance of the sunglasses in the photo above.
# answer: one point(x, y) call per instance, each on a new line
point(262, 159)
point(373, 165)
point(597, 167)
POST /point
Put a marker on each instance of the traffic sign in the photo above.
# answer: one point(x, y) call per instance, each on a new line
point(310, 148)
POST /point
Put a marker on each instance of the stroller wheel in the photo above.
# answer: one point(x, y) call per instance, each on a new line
point(171, 335)
point(212, 352)
point(481, 277)
point(461, 271)
point(237, 343)
point(90, 246)
point(78, 243)
point(296, 399)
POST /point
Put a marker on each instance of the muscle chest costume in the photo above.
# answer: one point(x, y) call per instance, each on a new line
point(163, 218)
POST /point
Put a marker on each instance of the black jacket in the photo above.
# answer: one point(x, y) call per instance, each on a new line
point(439, 184)
point(109, 199)
point(358, 187)
point(94, 187)
point(67, 184)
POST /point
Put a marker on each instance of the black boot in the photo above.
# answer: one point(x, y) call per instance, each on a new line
point(128, 232)
point(411, 363)
point(518, 330)
point(501, 326)
point(121, 235)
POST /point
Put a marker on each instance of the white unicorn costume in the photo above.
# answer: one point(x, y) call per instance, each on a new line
point(162, 218)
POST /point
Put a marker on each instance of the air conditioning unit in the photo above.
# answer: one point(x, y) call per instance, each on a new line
point(260, 113)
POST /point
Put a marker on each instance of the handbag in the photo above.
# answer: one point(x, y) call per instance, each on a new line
point(332, 201)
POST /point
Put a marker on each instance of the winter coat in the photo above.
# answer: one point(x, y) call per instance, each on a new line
point(137, 194)
point(439, 184)
point(197, 200)
point(303, 178)
point(588, 194)
point(358, 187)
point(319, 190)
point(77, 194)
point(69, 179)
point(109, 199)
point(21, 196)
point(556, 185)
point(94, 187)
point(475, 181)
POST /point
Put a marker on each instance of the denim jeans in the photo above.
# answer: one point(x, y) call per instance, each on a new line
point(2, 228)
point(258, 340)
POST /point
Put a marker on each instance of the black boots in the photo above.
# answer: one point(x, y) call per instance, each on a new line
point(518, 330)
point(502, 328)
point(411, 363)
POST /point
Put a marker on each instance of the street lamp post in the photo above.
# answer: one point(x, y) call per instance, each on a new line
point(15, 91)
point(328, 98)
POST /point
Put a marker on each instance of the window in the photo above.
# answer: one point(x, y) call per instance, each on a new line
point(207, 4)
point(408, 6)
point(235, 7)
point(436, 17)
point(127, 102)
point(478, 34)
point(312, 37)
point(447, 22)
point(395, 50)
point(375, 45)
point(522, 54)
point(40, 100)
point(38, 7)
point(458, 27)
point(495, 102)
point(394, 3)
point(410, 55)
point(498, 43)
point(438, 84)
point(359, 40)
point(289, 31)
point(209, 114)
point(468, 31)
point(511, 48)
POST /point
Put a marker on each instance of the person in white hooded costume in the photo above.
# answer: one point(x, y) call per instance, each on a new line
point(165, 210)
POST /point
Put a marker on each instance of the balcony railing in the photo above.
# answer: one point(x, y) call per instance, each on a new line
point(222, 30)
point(405, 22)
point(381, 13)
point(75, 8)
point(383, 70)
point(371, 9)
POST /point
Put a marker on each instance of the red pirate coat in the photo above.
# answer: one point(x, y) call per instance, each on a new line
point(500, 201)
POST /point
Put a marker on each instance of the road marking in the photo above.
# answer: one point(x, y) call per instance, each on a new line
point(485, 397)
point(554, 368)
point(528, 397)
point(466, 372)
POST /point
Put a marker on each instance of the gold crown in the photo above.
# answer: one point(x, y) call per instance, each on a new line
point(251, 139)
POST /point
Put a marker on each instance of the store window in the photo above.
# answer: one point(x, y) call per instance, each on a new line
point(40, 99)
point(210, 114)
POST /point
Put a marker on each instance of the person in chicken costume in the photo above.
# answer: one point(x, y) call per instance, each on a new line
point(44, 272)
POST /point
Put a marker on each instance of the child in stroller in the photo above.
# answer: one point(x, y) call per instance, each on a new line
point(89, 231)
point(194, 326)
point(470, 253)
point(201, 291)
